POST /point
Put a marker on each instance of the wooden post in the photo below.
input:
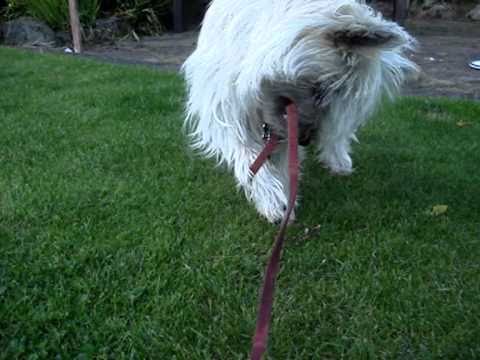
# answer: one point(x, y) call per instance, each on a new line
point(178, 23)
point(75, 26)
point(400, 11)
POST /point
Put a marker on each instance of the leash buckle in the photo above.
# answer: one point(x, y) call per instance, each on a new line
point(267, 132)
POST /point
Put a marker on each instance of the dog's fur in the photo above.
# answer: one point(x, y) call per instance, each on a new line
point(334, 59)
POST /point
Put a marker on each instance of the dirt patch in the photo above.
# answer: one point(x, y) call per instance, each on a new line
point(166, 52)
point(444, 50)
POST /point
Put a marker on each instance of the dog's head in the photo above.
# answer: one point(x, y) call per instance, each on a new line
point(350, 44)
point(338, 64)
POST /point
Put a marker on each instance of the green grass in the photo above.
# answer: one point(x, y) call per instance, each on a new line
point(117, 242)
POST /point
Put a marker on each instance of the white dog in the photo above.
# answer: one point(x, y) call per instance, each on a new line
point(333, 59)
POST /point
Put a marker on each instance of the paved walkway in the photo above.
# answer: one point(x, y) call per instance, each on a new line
point(166, 52)
point(445, 49)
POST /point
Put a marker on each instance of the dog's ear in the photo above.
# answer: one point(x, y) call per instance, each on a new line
point(358, 26)
point(361, 37)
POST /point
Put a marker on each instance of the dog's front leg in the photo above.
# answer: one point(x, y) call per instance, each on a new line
point(333, 143)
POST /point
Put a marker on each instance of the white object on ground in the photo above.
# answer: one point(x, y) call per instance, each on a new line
point(475, 64)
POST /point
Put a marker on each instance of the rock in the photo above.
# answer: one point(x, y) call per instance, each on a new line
point(63, 38)
point(436, 11)
point(27, 31)
point(427, 4)
point(110, 28)
point(432, 9)
point(474, 14)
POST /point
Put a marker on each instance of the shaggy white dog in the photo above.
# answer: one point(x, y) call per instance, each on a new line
point(333, 59)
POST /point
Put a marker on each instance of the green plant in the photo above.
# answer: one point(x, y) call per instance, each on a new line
point(89, 11)
point(13, 9)
point(144, 14)
point(55, 12)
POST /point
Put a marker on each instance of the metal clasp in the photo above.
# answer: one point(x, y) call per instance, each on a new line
point(267, 132)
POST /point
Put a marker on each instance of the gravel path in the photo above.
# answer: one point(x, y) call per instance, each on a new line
point(445, 49)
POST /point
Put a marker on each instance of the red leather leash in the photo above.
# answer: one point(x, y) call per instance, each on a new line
point(264, 155)
point(260, 338)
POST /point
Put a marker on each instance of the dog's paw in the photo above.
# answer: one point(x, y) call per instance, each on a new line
point(338, 163)
point(340, 171)
point(276, 216)
point(291, 220)
point(273, 215)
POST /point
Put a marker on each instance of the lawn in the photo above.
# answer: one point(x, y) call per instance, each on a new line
point(117, 242)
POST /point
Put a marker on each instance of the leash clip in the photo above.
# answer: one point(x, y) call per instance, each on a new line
point(267, 132)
